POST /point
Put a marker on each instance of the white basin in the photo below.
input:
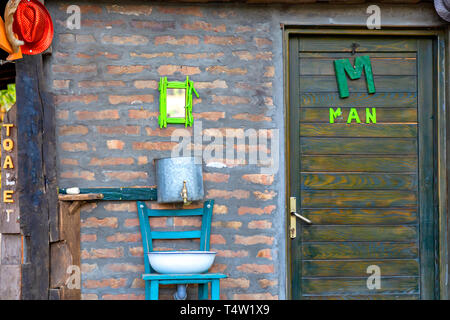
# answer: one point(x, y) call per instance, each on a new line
point(181, 261)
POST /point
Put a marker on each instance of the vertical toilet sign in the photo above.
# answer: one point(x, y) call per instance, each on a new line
point(9, 217)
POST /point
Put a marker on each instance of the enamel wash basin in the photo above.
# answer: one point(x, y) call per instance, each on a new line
point(181, 261)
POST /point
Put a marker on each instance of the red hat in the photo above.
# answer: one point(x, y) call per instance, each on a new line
point(33, 25)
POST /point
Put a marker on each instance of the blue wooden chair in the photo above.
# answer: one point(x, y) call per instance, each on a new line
point(153, 279)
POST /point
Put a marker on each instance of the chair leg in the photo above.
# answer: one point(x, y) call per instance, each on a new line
point(154, 290)
point(203, 291)
point(147, 290)
point(215, 289)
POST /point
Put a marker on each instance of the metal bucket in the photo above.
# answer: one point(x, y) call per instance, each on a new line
point(171, 174)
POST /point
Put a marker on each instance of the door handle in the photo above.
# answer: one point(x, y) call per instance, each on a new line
point(301, 217)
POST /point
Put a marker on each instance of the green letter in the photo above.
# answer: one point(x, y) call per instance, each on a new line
point(353, 115)
point(334, 114)
point(371, 116)
point(343, 66)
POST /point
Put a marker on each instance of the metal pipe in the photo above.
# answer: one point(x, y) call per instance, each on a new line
point(181, 293)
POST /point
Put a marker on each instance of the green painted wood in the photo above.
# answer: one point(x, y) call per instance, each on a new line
point(361, 216)
point(186, 276)
point(176, 234)
point(387, 146)
point(344, 44)
point(377, 100)
point(357, 163)
point(380, 66)
point(130, 194)
point(386, 116)
point(169, 212)
point(358, 268)
point(359, 250)
point(359, 233)
point(364, 297)
point(363, 129)
point(373, 55)
point(382, 84)
point(391, 285)
point(362, 181)
point(358, 198)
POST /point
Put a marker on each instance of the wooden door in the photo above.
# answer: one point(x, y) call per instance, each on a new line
point(366, 186)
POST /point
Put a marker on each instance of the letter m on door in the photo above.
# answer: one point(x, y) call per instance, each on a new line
point(343, 66)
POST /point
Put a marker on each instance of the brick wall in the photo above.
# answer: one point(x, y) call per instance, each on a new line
point(104, 79)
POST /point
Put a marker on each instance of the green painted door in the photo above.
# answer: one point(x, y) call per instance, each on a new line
point(366, 186)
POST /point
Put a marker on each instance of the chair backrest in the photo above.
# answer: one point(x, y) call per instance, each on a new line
point(203, 234)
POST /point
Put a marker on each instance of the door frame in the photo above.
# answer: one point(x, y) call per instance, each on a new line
point(441, 94)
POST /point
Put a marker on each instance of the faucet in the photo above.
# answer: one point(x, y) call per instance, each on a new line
point(184, 194)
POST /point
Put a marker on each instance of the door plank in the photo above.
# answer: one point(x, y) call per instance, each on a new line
point(358, 130)
point(361, 216)
point(359, 233)
point(364, 297)
point(358, 268)
point(391, 285)
point(344, 44)
point(317, 181)
point(382, 84)
point(342, 55)
point(377, 100)
point(384, 116)
point(387, 146)
point(359, 250)
point(358, 198)
point(357, 163)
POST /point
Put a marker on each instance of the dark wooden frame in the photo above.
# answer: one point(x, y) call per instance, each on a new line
point(441, 59)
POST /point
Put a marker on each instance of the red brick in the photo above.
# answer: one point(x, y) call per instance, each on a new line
point(185, 40)
point(235, 283)
point(260, 42)
point(124, 237)
point(111, 161)
point(142, 160)
point(62, 114)
point(162, 132)
point(244, 29)
point(266, 195)
point(102, 253)
point(142, 114)
point(69, 162)
point(112, 283)
point(251, 240)
point(126, 69)
point(84, 38)
point(256, 268)
point(264, 179)
point(146, 84)
point(125, 40)
point(232, 253)
point(110, 114)
point(220, 209)
point(121, 206)
point(89, 296)
point(165, 70)
point(61, 84)
point(84, 8)
point(130, 10)
point(85, 175)
point(125, 267)
point(203, 55)
point(226, 41)
point(138, 283)
point(66, 38)
point(86, 267)
point(100, 84)
point(137, 251)
point(73, 130)
point(223, 69)
point(217, 239)
point(162, 146)
point(154, 222)
point(231, 100)
point(92, 23)
point(58, 68)
point(260, 224)
point(191, 11)
point(258, 211)
point(187, 222)
point(115, 144)
point(265, 283)
point(119, 130)
point(264, 253)
point(86, 99)
point(254, 296)
point(151, 56)
point(127, 175)
point(202, 25)
point(216, 177)
point(224, 194)
point(211, 116)
point(270, 72)
point(154, 25)
point(216, 84)
point(133, 99)
point(247, 55)
point(88, 237)
point(252, 117)
point(123, 296)
point(218, 268)
point(92, 222)
point(227, 224)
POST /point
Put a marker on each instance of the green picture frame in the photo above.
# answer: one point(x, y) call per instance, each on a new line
point(164, 116)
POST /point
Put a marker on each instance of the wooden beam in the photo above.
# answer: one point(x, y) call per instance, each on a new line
point(131, 194)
